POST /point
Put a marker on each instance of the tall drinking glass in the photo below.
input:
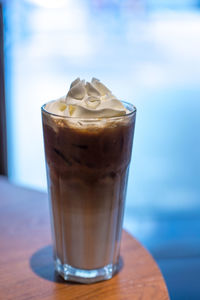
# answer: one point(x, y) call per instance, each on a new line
point(87, 164)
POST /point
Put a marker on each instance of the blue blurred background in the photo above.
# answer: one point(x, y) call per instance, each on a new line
point(148, 53)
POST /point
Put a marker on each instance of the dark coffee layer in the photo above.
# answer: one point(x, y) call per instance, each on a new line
point(72, 149)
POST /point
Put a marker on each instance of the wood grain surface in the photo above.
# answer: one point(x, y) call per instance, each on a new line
point(26, 264)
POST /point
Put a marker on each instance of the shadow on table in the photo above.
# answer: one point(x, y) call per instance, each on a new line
point(42, 264)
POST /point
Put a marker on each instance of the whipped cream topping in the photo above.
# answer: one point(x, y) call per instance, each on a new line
point(87, 100)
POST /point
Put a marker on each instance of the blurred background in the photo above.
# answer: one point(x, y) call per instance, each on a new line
point(148, 53)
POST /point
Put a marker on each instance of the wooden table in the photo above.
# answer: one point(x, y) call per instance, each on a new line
point(26, 265)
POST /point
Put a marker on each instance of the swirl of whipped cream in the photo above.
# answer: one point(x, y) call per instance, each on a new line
point(87, 100)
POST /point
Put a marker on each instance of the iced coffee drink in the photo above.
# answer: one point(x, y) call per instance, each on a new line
point(88, 138)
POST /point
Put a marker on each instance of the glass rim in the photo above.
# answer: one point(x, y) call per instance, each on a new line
point(132, 112)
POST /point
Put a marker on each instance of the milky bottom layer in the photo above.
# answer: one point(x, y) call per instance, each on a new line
point(87, 219)
point(87, 177)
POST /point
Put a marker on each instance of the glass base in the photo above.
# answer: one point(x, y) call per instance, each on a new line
point(70, 273)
